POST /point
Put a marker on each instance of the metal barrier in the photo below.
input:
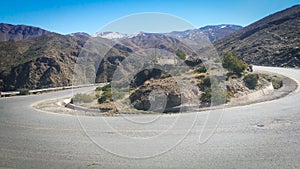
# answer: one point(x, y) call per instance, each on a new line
point(34, 91)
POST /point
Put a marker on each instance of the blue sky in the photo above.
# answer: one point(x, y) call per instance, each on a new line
point(67, 16)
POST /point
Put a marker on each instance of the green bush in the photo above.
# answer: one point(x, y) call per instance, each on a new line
point(233, 63)
point(181, 54)
point(204, 83)
point(107, 92)
point(105, 96)
point(277, 83)
point(106, 87)
point(251, 80)
point(206, 96)
point(98, 88)
point(82, 98)
point(165, 75)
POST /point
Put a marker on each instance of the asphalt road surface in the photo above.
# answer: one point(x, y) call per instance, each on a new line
point(264, 135)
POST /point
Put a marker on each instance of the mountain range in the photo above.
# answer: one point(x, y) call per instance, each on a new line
point(35, 58)
point(212, 32)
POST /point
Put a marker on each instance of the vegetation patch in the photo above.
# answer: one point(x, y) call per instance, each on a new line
point(201, 69)
point(181, 54)
point(251, 81)
point(82, 98)
point(276, 80)
point(107, 94)
point(233, 64)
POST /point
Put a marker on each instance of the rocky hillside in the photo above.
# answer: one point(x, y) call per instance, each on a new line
point(128, 46)
point(44, 61)
point(272, 41)
point(14, 33)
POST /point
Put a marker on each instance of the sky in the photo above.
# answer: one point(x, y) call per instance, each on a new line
point(90, 16)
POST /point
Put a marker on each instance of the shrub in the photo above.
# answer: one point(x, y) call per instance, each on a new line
point(107, 92)
point(106, 87)
point(217, 96)
point(181, 54)
point(204, 83)
point(105, 96)
point(233, 64)
point(206, 96)
point(277, 83)
point(165, 75)
point(251, 80)
point(82, 98)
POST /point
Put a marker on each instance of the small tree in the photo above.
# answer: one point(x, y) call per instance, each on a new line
point(233, 63)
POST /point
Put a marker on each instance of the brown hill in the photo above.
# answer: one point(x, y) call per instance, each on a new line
point(272, 41)
point(44, 61)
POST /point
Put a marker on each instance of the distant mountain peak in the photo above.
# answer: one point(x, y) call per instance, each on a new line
point(80, 34)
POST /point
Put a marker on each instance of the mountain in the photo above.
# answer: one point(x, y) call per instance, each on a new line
point(271, 41)
point(80, 35)
point(43, 61)
point(110, 35)
point(14, 33)
point(212, 32)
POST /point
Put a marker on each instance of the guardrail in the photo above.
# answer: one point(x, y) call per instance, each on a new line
point(34, 91)
point(9, 93)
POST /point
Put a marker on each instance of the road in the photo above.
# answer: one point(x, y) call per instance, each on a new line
point(264, 135)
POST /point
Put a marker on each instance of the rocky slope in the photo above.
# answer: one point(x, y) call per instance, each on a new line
point(272, 41)
point(14, 33)
point(44, 61)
